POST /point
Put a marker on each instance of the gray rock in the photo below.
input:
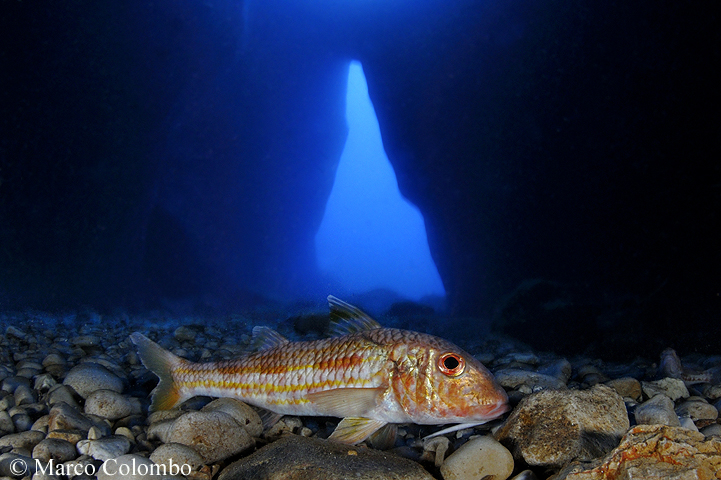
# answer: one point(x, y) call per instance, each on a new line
point(6, 423)
point(104, 448)
point(23, 440)
point(698, 409)
point(184, 334)
point(24, 395)
point(293, 457)
point(111, 405)
point(712, 430)
point(59, 451)
point(480, 457)
point(89, 377)
point(673, 388)
point(527, 381)
point(44, 382)
point(65, 417)
point(61, 393)
point(169, 454)
point(552, 427)
point(214, 435)
point(657, 411)
point(136, 466)
point(241, 412)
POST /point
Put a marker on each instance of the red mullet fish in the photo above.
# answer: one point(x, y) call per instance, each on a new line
point(368, 375)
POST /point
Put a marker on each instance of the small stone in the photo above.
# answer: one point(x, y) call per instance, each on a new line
point(627, 387)
point(14, 332)
point(59, 451)
point(125, 432)
point(23, 440)
point(70, 436)
point(104, 448)
point(44, 382)
point(437, 446)
point(296, 457)
point(24, 394)
point(713, 392)
point(184, 334)
point(137, 466)
point(6, 423)
point(551, 428)
point(61, 393)
point(7, 401)
point(41, 424)
point(241, 412)
point(161, 430)
point(85, 341)
point(698, 409)
point(10, 384)
point(673, 388)
point(712, 430)
point(480, 457)
point(22, 421)
point(170, 454)
point(54, 359)
point(657, 411)
point(109, 404)
point(515, 378)
point(214, 435)
point(89, 377)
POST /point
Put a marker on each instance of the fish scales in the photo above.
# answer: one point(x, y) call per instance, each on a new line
point(285, 374)
point(368, 375)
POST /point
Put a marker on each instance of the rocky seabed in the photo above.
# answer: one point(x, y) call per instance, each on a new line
point(74, 405)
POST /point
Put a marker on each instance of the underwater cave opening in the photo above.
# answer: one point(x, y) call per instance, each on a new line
point(371, 237)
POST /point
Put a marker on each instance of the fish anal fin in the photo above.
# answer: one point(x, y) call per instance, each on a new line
point(265, 338)
point(352, 430)
point(345, 318)
point(344, 402)
point(161, 362)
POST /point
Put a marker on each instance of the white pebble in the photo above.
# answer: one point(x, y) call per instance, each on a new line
point(89, 377)
point(479, 457)
point(109, 404)
point(105, 448)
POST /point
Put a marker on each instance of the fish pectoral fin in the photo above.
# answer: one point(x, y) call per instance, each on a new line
point(269, 418)
point(352, 430)
point(346, 402)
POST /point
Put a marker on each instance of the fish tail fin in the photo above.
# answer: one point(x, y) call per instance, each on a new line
point(161, 362)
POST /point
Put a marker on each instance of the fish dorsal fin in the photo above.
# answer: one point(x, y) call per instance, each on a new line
point(265, 338)
point(345, 318)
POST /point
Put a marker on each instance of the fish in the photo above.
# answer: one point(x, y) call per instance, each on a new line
point(367, 375)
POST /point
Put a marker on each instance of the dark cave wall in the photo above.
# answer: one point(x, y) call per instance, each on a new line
point(183, 149)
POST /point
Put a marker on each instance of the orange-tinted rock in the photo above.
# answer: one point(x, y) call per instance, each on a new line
point(656, 452)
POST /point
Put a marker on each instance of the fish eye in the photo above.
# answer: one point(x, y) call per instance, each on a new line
point(451, 364)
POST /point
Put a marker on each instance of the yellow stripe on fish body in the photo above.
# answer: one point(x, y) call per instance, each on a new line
point(368, 375)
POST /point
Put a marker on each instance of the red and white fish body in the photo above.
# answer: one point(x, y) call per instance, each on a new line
point(368, 375)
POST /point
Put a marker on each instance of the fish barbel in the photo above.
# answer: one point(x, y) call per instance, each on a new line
point(368, 375)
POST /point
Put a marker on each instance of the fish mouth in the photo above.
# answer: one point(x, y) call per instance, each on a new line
point(498, 410)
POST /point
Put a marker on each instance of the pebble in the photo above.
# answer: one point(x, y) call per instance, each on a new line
point(627, 387)
point(699, 410)
point(214, 435)
point(137, 466)
point(6, 423)
point(23, 440)
point(61, 394)
point(178, 454)
point(24, 394)
point(110, 404)
point(437, 446)
point(296, 457)
point(89, 377)
point(241, 412)
point(184, 334)
point(550, 428)
point(657, 411)
point(480, 457)
point(527, 381)
point(673, 388)
point(104, 448)
point(65, 417)
point(55, 449)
